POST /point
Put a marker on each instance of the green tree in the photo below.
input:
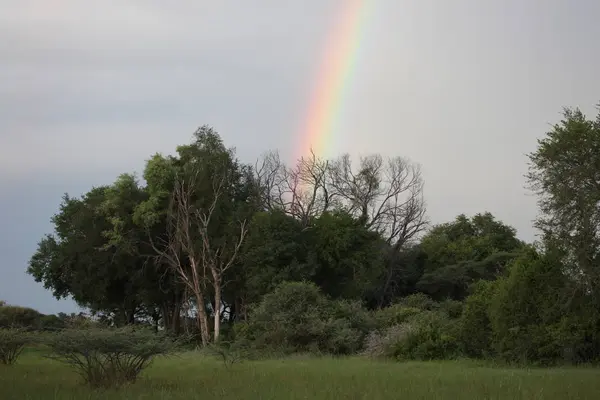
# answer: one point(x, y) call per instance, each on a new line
point(527, 309)
point(463, 251)
point(565, 173)
point(275, 251)
point(345, 255)
point(203, 198)
point(75, 261)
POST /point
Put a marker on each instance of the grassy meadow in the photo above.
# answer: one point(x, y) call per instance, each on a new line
point(193, 376)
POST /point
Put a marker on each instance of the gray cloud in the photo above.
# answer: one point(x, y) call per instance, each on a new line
point(91, 89)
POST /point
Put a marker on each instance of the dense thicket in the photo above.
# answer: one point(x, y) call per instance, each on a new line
point(335, 256)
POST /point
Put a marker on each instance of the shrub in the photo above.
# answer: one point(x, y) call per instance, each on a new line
point(420, 301)
point(12, 342)
point(383, 344)
point(108, 357)
point(394, 315)
point(426, 336)
point(296, 317)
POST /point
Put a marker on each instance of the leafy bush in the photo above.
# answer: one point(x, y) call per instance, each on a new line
point(426, 336)
point(420, 301)
point(108, 357)
point(296, 317)
point(394, 315)
point(12, 342)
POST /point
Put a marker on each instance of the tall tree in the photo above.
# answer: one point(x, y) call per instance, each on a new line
point(197, 196)
point(565, 173)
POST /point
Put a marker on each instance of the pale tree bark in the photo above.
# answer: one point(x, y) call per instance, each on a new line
point(180, 253)
point(218, 259)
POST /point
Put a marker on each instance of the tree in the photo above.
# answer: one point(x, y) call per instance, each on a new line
point(387, 195)
point(301, 191)
point(463, 251)
point(78, 261)
point(344, 255)
point(275, 251)
point(159, 289)
point(564, 171)
point(197, 196)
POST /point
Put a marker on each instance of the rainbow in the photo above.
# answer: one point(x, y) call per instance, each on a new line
point(333, 79)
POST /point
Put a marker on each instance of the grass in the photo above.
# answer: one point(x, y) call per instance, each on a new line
point(193, 376)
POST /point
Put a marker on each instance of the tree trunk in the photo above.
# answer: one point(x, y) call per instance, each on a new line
point(217, 309)
point(202, 319)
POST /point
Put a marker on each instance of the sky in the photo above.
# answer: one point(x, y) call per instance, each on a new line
point(90, 89)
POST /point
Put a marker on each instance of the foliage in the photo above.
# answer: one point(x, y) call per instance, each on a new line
point(12, 342)
point(20, 317)
point(395, 314)
point(476, 332)
point(418, 300)
point(564, 172)
point(298, 317)
point(108, 357)
point(538, 317)
point(464, 251)
point(428, 335)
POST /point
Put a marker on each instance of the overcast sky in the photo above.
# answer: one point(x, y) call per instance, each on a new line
point(91, 88)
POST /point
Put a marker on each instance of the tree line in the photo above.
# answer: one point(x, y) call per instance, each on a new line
point(336, 256)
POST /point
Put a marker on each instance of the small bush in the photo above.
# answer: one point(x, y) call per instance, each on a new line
point(108, 357)
point(12, 342)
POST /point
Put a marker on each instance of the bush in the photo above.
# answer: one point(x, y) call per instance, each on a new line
point(420, 301)
point(429, 335)
point(394, 315)
point(297, 318)
point(12, 342)
point(383, 344)
point(108, 357)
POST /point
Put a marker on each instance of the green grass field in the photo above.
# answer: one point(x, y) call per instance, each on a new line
point(193, 376)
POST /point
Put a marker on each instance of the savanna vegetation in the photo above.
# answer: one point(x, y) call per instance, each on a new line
point(268, 265)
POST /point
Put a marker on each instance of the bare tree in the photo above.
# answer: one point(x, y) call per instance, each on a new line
point(386, 194)
point(300, 191)
point(218, 259)
point(198, 265)
point(179, 252)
